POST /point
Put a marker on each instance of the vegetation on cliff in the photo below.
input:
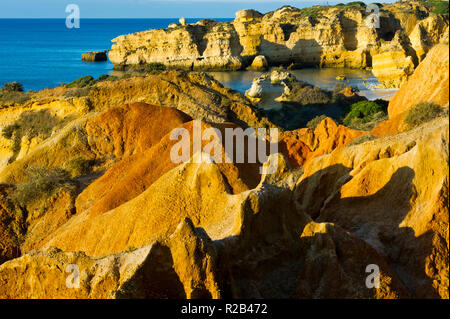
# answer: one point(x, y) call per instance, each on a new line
point(422, 113)
point(363, 112)
point(13, 87)
point(12, 93)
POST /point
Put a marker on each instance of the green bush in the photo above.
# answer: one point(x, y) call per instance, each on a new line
point(421, 113)
point(440, 7)
point(356, 3)
point(436, 6)
point(88, 80)
point(149, 67)
point(41, 183)
point(13, 87)
point(103, 77)
point(304, 94)
point(8, 131)
point(313, 12)
point(31, 124)
point(363, 111)
point(82, 82)
point(76, 92)
point(315, 121)
point(78, 166)
point(11, 98)
point(106, 77)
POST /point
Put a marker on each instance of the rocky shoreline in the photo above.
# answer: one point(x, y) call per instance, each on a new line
point(321, 36)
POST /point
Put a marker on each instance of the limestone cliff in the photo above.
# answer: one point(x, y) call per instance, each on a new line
point(324, 36)
point(429, 83)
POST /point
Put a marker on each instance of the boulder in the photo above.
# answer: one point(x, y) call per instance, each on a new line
point(277, 76)
point(256, 90)
point(259, 64)
point(247, 15)
point(97, 56)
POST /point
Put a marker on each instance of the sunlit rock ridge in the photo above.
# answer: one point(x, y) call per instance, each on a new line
point(325, 36)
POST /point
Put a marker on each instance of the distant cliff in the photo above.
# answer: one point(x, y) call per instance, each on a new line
point(322, 36)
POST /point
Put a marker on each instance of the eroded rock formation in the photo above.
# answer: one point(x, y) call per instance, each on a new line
point(135, 224)
point(429, 83)
point(322, 36)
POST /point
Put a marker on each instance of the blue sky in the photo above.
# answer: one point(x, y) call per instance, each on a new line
point(145, 8)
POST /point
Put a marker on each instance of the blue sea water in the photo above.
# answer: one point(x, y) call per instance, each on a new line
point(41, 53)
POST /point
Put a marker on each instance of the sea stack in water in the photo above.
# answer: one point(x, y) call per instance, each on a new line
point(259, 64)
point(96, 56)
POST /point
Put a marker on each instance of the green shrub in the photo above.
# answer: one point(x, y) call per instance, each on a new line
point(421, 113)
point(8, 131)
point(149, 67)
point(103, 77)
point(76, 92)
point(436, 6)
point(315, 121)
point(31, 124)
point(356, 3)
point(11, 98)
point(41, 183)
point(313, 12)
point(78, 166)
point(12, 93)
point(440, 7)
point(81, 86)
point(363, 111)
point(106, 77)
point(305, 94)
point(13, 87)
point(82, 82)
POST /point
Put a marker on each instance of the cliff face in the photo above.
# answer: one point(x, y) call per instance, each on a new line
point(323, 36)
point(429, 83)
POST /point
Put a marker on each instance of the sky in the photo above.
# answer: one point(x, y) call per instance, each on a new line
point(147, 8)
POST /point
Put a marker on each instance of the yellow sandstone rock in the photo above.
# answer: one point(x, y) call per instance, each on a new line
point(324, 36)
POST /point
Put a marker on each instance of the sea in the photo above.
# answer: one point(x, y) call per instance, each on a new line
point(44, 53)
